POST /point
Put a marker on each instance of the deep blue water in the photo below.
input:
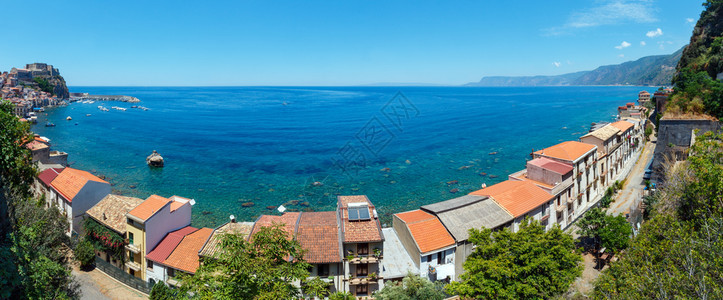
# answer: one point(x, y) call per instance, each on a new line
point(225, 146)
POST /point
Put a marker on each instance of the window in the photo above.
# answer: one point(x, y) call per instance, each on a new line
point(130, 256)
point(362, 249)
point(323, 270)
point(545, 209)
point(133, 273)
point(149, 264)
point(362, 270)
point(429, 258)
point(362, 289)
point(130, 222)
point(440, 257)
point(170, 272)
point(558, 200)
point(130, 237)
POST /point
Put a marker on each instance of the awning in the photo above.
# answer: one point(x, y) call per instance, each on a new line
point(444, 271)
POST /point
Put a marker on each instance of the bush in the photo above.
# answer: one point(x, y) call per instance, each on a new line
point(341, 296)
point(161, 291)
point(85, 253)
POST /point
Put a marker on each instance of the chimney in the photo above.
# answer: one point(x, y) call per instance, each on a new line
point(233, 219)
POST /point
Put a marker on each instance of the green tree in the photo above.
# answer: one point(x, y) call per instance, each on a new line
point(32, 239)
point(342, 296)
point(161, 291)
point(85, 253)
point(677, 253)
point(591, 223)
point(44, 85)
point(529, 264)
point(412, 287)
point(264, 268)
point(316, 287)
point(615, 235)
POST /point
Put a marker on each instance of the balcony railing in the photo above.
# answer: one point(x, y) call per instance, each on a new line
point(364, 260)
point(560, 208)
point(364, 280)
point(133, 266)
point(133, 248)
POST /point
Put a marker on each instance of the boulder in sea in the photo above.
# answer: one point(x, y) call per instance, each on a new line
point(454, 190)
point(452, 182)
point(271, 207)
point(247, 204)
point(155, 160)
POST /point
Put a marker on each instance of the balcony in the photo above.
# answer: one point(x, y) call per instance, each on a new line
point(570, 200)
point(364, 260)
point(133, 266)
point(364, 280)
point(133, 248)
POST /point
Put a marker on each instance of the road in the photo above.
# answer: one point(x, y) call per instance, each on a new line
point(634, 185)
point(95, 284)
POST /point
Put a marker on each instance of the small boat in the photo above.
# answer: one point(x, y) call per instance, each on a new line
point(134, 106)
point(49, 124)
point(68, 118)
point(87, 115)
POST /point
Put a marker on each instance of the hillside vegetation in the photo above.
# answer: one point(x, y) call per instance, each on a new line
point(697, 88)
point(678, 253)
point(654, 70)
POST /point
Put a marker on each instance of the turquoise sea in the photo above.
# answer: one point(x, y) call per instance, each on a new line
point(265, 146)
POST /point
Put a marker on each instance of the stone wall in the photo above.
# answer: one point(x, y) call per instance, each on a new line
point(674, 137)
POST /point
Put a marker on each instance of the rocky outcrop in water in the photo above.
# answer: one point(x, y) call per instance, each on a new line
point(155, 160)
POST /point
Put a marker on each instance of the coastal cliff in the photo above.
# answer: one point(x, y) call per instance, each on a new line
point(43, 77)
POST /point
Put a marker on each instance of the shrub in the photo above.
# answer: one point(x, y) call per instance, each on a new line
point(85, 253)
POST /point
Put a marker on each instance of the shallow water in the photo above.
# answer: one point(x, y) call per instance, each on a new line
point(265, 146)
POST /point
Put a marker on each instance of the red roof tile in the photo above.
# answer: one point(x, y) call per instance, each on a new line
point(288, 220)
point(549, 164)
point(427, 231)
point(185, 256)
point(517, 197)
point(70, 181)
point(358, 231)
point(318, 234)
point(49, 175)
point(161, 252)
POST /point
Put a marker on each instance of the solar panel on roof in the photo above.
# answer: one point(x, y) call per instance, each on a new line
point(353, 214)
point(359, 213)
point(364, 213)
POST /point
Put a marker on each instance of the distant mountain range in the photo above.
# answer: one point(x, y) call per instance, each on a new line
point(657, 70)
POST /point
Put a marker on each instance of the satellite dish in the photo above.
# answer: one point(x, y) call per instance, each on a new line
point(281, 208)
point(193, 202)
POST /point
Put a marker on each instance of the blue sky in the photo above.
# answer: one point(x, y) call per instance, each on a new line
point(199, 43)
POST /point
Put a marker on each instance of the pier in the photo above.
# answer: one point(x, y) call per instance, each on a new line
point(85, 96)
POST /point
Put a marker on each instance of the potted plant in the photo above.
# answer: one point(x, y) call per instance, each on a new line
point(372, 276)
point(377, 252)
point(350, 257)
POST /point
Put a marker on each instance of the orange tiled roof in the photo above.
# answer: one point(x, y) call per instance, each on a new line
point(288, 220)
point(623, 125)
point(517, 197)
point(185, 256)
point(358, 231)
point(569, 150)
point(427, 231)
point(149, 207)
point(318, 234)
point(70, 181)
